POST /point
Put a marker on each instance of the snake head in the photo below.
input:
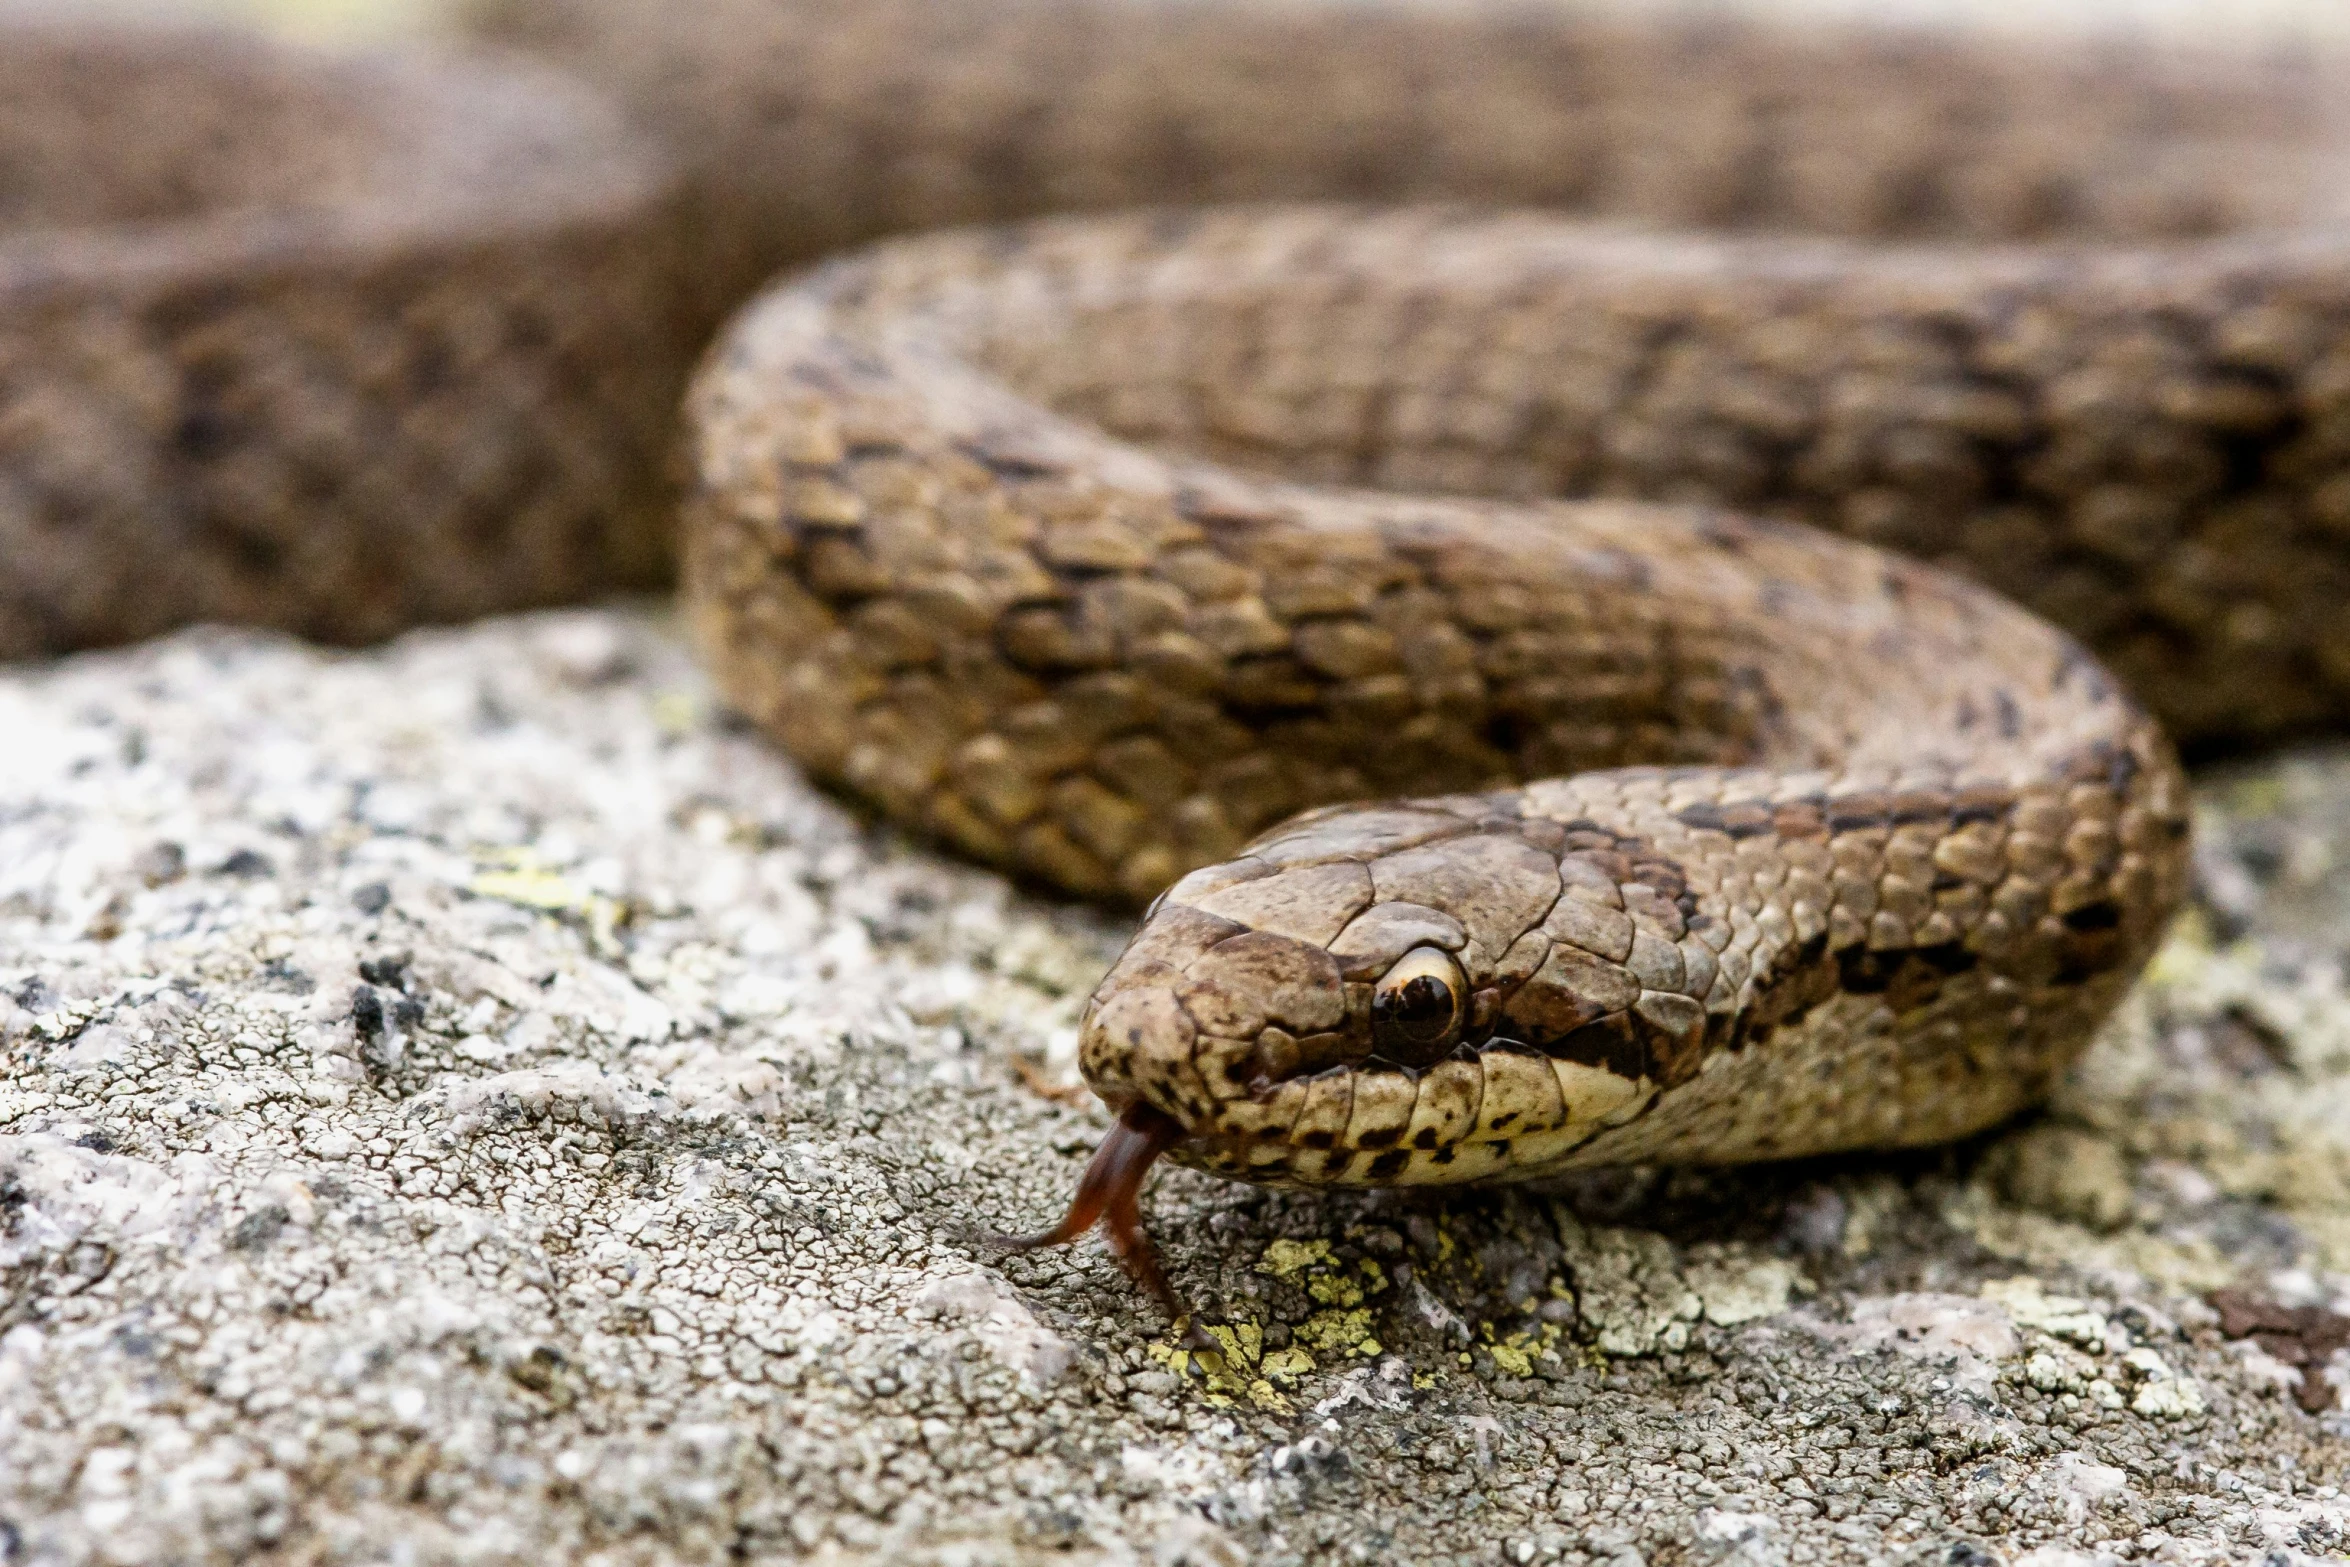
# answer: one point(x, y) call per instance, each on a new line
point(1375, 996)
point(1413, 993)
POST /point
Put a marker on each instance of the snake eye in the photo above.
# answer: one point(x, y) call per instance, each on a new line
point(1416, 1008)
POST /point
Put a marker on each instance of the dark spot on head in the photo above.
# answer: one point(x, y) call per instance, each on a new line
point(2103, 915)
point(2076, 667)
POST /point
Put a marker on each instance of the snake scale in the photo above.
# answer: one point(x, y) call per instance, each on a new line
point(1719, 629)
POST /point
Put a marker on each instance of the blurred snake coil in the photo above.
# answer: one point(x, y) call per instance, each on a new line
point(1712, 526)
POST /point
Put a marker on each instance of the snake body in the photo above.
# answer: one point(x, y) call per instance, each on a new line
point(1731, 839)
point(1749, 615)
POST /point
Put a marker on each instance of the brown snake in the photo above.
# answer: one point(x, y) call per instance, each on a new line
point(1099, 548)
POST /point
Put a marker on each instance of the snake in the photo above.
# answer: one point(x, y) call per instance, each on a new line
point(1617, 591)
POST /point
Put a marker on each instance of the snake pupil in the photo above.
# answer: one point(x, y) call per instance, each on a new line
point(1416, 1009)
point(1423, 1007)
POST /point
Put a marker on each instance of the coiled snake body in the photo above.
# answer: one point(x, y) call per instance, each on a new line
point(1817, 846)
point(1101, 547)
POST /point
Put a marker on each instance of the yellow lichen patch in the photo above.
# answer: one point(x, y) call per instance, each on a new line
point(1243, 1341)
point(1262, 1394)
point(1287, 1259)
point(1327, 1279)
point(529, 885)
point(1224, 1379)
point(518, 876)
point(1334, 1289)
point(677, 712)
point(1286, 1367)
point(1515, 1353)
point(1340, 1332)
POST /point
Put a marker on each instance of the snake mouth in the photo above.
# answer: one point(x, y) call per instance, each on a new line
point(1110, 1194)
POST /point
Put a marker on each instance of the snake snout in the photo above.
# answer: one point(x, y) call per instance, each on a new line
point(1202, 1024)
point(1187, 1039)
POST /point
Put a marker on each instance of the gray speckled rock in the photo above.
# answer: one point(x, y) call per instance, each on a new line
point(469, 1102)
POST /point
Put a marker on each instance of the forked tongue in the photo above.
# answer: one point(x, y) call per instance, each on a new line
point(1110, 1194)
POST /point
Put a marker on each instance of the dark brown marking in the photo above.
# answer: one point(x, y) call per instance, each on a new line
point(1801, 819)
point(2103, 915)
point(1913, 810)
point(1703, 818)
point(1613, 1044)
point(1970, 806)
point(1907, 978)
point(1739, 819)
point(1858, 812)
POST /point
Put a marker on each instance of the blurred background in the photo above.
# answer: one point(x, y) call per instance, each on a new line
point(2284, 20)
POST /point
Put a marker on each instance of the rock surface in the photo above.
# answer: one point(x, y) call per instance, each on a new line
point(470, 1102)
